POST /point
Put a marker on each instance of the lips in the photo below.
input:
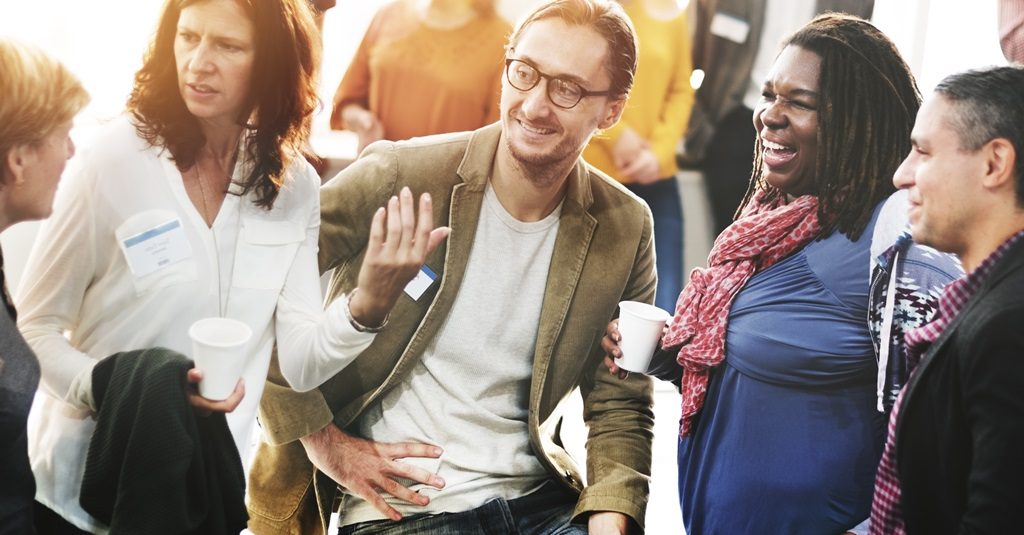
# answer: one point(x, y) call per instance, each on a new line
point(202, 89)
point(536, 130)
point(776, 154)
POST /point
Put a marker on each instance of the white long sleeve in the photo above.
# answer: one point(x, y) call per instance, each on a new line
point(313, 344)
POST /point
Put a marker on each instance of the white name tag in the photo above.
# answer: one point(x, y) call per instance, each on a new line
point(729, 27)
point(420, 283)
point(156, 248)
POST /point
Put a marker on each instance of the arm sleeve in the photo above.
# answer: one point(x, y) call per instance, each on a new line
point(992, 385)
point(347, 204)
point(620, 418)
point(678, 103)
point(60, 269)
point(313, 344)
point(355, 84)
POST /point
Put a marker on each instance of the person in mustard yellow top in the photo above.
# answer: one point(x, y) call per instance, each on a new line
point(424, 67)
point(640, 150)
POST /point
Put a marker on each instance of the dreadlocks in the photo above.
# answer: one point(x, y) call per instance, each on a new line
point(869, 101)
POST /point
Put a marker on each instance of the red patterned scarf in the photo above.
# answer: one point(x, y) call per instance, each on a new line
point(764, 234)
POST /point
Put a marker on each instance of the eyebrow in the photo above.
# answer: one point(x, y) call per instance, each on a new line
point(798, 91)
point(563, 76)
point(219, 38)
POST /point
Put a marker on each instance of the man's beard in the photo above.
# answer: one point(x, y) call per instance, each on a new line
point(543, 169)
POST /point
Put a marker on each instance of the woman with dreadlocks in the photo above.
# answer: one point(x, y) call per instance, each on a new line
point(774, 344)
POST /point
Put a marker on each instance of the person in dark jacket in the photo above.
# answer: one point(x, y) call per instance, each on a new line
point(952, 461)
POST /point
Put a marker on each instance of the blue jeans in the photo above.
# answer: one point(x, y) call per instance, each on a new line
point(663, 198)
point(546, 511)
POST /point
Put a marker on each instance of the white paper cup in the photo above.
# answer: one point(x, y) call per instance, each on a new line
point(218, 349)
point(640, 326)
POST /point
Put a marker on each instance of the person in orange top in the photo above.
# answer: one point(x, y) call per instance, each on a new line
point(640, 150)
point(424, 67)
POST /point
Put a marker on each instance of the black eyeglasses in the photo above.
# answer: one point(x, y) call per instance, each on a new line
point(562, 92)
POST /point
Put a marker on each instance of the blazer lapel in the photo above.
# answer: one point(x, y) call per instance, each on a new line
point(575, 230)
point(463, 215)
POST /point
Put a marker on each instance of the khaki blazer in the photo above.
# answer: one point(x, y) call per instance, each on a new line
point(604, 253)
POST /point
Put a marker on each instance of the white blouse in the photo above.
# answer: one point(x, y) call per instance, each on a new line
point(127, 262)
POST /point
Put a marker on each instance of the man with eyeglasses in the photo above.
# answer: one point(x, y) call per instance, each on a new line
point(449, 421)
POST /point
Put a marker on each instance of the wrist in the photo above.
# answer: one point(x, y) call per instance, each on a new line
point(361, 317)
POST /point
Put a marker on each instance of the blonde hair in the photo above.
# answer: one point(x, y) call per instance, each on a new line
point(37, 94)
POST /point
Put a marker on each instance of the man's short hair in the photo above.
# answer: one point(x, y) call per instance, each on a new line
point(988, 104)
point(606, 18)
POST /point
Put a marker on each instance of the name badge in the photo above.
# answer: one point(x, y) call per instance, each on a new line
point(730, 27)
point(156, 248)
point(420, 283)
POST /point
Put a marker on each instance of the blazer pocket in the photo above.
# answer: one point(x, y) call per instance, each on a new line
point(265, 253)
point(166, 234)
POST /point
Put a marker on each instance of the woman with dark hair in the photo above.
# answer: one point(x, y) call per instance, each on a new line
point(196, 204)
point(40, 100)
point(785, 346)
point(424, 67)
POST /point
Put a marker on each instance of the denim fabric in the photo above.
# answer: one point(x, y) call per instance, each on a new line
point(546, 511)
point(663, 198)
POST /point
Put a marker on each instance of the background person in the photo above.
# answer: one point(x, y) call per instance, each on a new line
point(196, 204)
point(779, 377)
point(640, 150)
point(423, 67)
point(40, 99)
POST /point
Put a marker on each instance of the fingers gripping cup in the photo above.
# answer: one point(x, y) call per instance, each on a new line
point(218, 349)
point(640, 326)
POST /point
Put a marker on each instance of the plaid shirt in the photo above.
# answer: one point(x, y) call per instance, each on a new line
point(886, 512)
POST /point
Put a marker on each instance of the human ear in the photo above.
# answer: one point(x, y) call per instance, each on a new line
point(15, 164)
point(613, 111)
point(1000, 163)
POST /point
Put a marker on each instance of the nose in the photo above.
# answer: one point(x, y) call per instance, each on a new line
point(904, 176)
point(200, 60)
point(71, 147)
point(772, 116)
point(535, 101)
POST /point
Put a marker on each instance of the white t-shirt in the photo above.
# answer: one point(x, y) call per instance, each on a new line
point(88, 292)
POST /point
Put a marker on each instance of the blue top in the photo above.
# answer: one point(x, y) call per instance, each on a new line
point(789, 438)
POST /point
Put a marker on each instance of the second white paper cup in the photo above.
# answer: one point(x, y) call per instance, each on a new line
point(640, 326)
point(218, 349)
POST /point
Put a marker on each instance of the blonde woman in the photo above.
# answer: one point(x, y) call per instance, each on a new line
point(40, 99)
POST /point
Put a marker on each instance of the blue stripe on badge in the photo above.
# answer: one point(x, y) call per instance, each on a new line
point(429, 273)
point(152, 233)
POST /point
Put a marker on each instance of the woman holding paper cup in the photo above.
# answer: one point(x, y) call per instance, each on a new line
point(40, 100)
point(773, 344)
point(198, 204)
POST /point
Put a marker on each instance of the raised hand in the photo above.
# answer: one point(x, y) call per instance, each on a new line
point(400, 241)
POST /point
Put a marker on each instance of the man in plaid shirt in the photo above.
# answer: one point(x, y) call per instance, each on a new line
point(953, 459)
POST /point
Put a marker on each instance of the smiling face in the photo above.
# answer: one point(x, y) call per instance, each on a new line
point(537, 134)
point(214, 50)
point(943, 180)
point(786, 119)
